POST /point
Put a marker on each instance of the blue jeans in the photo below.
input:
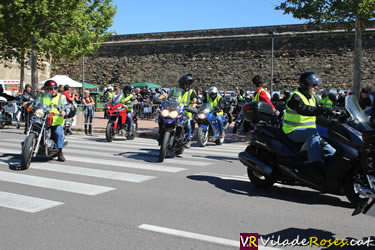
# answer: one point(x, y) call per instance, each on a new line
point(188, 126)
point(220, 117)
point(58, 130)
point(311, 137)
point(130, 114)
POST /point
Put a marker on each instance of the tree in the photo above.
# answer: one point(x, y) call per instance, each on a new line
point(349, 13)
point(54, 28)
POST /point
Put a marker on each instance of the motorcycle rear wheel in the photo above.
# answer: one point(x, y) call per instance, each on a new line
point(109, 131)
point(163, 146)
point(202, 137)
point(259, 180)
point(27, 151)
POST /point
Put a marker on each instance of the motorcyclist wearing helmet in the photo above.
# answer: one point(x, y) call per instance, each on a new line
point(58, 101)
point(189, 98)
point(215, 100)
point(328, 99)
point(300, 119)
point(127, 99)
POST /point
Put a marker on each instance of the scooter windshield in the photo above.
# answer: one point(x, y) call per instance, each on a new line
point(355, 111)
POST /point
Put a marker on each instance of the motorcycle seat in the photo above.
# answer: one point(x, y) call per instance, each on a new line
point(281, 136)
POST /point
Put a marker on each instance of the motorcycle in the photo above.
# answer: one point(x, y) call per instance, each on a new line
point(172, 124)
point(271, 157)
point(208, 125)
point(39, 137)
point(118, 123)
point(11, 112)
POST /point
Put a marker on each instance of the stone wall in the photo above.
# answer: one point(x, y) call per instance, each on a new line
point(227, 57)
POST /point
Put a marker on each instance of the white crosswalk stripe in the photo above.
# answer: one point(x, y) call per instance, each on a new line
point(119, 155)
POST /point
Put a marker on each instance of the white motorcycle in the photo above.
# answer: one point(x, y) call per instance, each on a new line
point(10, 113)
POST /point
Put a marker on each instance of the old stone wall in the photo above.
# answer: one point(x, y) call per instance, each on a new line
point(227, 58)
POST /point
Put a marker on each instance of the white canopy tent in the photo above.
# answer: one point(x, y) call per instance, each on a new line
point(64, 80)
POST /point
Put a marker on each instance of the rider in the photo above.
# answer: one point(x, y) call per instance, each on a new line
point(261, 93)
point(58, 101)
point(189, 98)
point(128, 99)
point(300, 117)
point(328, 99)
point(216, 102)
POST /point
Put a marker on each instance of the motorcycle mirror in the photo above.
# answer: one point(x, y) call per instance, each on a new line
point(192, 110)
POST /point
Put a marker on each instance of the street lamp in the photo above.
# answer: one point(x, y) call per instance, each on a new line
point(273, 38)
point(83, 74)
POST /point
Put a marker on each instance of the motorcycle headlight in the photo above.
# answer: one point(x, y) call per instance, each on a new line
point(39, 113)
point(164, 113)
point(201, 115)
point(173, 114)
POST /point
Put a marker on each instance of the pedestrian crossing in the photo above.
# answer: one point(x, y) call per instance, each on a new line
point(95, 159)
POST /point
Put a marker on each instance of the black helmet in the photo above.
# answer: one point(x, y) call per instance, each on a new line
point(127, 87)
point(308, 80)
point(66, 87)
point(185, 79)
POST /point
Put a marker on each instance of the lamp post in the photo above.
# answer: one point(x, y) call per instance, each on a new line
point(273, 38)
point(83, 74)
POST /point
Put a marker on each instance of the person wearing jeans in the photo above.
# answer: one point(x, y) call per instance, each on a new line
point(88, 111)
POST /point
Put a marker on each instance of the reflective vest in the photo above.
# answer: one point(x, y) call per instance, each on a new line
point(293, 120)
point(326, 102)
point(215, 103)
point(185, 99)
point(56, 103)
point(127, 99)
point(256, 97)
point(44, 99)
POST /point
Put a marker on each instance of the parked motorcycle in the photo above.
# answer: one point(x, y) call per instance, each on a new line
point(11, 112)
point(118, 123)
point(271, 157)
point(173, 122)
point(208, 125)
point(40, 137)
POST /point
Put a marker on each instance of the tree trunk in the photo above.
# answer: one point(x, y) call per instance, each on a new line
point(22, 72)
point(34, 72)
point(357, 58)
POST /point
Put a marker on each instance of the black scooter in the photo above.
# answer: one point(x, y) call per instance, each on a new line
point(271, 157)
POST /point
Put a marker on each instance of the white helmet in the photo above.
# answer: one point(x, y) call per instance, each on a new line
point(110, 88)
point(212, 90)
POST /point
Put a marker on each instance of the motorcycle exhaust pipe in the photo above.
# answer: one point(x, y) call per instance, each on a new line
point(254, 163)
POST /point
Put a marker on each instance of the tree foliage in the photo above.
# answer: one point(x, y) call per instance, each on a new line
point(53, 28)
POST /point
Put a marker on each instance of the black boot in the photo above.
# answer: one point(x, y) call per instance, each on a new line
point(90, 130)
point(60, 156)
point(85, 129)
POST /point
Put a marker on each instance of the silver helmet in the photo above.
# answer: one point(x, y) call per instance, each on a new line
point(212, 90)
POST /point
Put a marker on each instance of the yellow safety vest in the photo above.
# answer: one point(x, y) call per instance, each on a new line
point(56, 102)
point(127, 99)
point(326, 102)
point(185, 99)
point(215, 103)
point(293, 120)
point(256, 97)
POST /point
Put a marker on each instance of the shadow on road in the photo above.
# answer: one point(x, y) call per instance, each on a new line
point(274, 192)
point(14, 161)
point(315, 235)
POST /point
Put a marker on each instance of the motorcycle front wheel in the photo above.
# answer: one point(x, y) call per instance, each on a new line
point(133, 131)
point(164, 145)
point(27, 151)
point(350, 190)
point(202, 137)
point(109, 131)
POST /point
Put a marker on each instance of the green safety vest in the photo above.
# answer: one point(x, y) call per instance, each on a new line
point(326, 102)
point(215, 103)
point(127, 99)
point(293, 120)
point(256, 97)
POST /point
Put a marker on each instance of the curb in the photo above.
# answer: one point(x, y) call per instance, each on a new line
point(102, 131)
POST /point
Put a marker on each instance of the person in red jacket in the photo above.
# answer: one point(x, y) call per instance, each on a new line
point(260, 94)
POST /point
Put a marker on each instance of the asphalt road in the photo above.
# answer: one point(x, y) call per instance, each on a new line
point(117, 196)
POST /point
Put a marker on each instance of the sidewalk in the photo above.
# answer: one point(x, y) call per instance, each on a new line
point(149, 129)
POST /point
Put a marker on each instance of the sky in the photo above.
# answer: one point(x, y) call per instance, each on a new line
point(149, 16)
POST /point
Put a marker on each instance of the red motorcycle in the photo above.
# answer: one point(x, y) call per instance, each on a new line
point(118, 122)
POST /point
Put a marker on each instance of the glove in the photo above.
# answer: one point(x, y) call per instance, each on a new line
point(217, 109)
point(324, 111)
point(1, 89)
